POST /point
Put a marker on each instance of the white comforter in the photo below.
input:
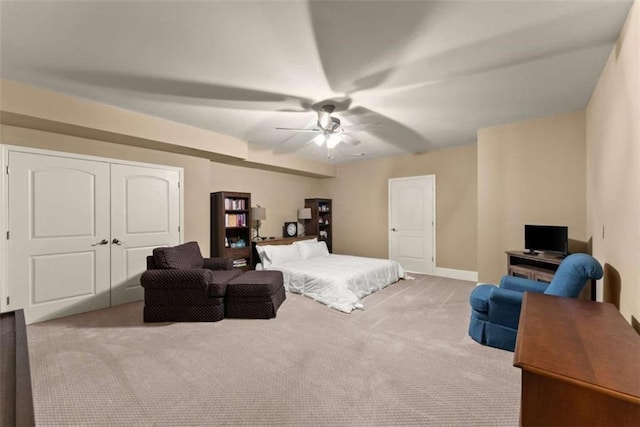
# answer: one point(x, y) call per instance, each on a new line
point(339, 281)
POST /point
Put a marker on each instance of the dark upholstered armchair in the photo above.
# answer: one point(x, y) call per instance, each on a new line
point(495, 311)
point(182, 286)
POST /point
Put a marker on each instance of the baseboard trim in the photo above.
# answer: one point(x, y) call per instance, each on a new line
point(451, 273)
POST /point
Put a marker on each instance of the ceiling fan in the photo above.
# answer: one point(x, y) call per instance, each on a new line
point(329, 129)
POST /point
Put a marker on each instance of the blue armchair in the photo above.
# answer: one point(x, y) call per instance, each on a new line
point(495, 311)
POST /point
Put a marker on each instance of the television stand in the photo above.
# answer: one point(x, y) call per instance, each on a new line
point(531, 252)
point(541, 267)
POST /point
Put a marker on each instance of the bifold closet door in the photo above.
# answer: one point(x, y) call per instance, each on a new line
point(80, 231)
point(58, 250)
point(145, 214)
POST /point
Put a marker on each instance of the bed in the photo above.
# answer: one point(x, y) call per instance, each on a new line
point(338, 281)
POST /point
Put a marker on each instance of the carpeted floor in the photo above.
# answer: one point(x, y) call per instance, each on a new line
point(405, 360)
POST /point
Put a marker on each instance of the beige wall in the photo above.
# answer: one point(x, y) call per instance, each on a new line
point(360, 204)
point(196, 188)
point(30, 107)
point(529, 173)
point(613, 171)
point(27, 105)
point(281, 194)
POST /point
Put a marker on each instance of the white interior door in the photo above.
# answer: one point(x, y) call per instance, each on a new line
point(412, 223)
point(145, 214)
point(57, 218)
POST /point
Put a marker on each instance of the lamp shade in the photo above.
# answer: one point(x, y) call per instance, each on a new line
point(304, 213)
point(258, 214)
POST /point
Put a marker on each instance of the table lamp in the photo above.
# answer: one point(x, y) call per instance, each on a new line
point(304, 214)
point(258, 214)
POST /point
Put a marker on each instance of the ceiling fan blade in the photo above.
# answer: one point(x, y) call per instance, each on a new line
point(361, 127)
point(291, 146)
point(300, 130)
point(191, 92)
point(388, 129)
point(349, 139)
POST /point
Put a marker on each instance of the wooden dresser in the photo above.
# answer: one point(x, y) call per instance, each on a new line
point(580, 363)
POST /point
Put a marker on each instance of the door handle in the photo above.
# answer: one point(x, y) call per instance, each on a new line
point(393, 229)
point(102, 242)
point(117, 242)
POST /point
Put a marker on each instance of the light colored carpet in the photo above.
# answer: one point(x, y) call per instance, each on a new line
point(405, 360)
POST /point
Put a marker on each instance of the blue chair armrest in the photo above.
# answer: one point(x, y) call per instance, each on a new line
point(514, 283)
point(504, 307)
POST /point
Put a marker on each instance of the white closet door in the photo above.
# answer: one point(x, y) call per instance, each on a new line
point(412, 223)
point(145, 214)
point(58, 215)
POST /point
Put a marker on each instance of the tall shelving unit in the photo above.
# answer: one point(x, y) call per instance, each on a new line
point(321, 222)
point(231, 227)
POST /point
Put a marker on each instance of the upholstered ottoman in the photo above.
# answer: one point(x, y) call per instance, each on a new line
point(254, 295)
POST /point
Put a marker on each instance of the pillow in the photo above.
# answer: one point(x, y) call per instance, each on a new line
point(306, 242)
point(314, 249)
point(280, 254)
point(264, 258)
point(185, 256)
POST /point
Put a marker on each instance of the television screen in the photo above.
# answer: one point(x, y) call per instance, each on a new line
point(548, 238)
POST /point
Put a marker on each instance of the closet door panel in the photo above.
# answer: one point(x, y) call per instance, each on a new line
point(58, 215)
point(145, 214)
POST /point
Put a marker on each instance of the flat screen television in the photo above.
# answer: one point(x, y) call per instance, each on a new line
point(547, 238)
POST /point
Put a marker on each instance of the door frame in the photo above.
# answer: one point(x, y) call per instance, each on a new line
point(4, 197)
point(433, 210)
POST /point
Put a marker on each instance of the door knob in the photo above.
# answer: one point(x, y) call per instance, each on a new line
point(101, 242)
point(393, 229)
point(117, 242)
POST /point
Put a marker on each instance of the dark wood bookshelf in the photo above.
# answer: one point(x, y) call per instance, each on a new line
point(321, 222)
point(231, 227)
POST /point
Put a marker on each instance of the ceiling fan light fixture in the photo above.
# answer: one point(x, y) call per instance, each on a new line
point(319, 139)
point(329, 131)
point(324, 119)
point(335, 124)
point(333, 140)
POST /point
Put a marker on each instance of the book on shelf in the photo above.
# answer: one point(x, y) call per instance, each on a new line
point(230, 220)
point(234, 204)
point(240, 262)
point(235, 220)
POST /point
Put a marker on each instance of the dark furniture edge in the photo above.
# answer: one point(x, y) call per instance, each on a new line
point(24, 393)
point(17, 399)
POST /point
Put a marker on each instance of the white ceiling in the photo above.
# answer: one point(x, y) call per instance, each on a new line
point(429, 73)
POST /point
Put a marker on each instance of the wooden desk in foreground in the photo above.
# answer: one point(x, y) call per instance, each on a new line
point(580, 363)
